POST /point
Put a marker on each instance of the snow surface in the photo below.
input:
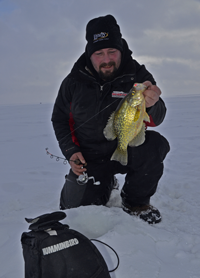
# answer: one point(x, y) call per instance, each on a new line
point(30, 185)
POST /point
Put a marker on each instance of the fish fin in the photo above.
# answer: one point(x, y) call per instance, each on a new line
point(139, 139)
point(146, 118)
point(120, 156)
point(108, 131)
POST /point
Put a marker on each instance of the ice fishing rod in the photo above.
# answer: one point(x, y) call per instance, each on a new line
point(82, 179)
point(57, 157)
point(76, 161)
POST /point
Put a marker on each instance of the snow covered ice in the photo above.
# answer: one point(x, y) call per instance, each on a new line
point(31, 182)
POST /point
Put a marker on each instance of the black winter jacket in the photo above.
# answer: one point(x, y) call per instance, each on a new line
point(84, 104)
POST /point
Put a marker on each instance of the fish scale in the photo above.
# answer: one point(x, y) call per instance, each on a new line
point(127, 123)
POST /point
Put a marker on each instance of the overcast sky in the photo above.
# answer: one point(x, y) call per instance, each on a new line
point(40, 40)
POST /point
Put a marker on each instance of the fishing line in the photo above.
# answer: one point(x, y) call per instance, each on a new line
point(65, 160)
point(93, 116)
point(76, 162)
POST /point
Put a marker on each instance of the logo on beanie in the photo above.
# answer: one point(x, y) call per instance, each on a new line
point(100, 37)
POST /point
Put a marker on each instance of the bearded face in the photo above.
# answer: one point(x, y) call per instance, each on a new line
point(106, 62)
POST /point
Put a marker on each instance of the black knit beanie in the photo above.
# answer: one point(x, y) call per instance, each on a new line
point(103, 32)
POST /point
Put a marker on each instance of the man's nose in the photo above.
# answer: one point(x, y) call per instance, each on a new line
point(106, 58)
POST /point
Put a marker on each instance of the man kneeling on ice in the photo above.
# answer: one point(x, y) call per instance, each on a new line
point(88, 97)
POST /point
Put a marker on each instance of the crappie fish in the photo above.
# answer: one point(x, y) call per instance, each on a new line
point(127, 123)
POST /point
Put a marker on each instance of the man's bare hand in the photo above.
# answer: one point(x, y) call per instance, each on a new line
point(78, 169)
point(151, 94)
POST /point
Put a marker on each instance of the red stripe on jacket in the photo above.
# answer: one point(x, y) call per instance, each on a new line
point(152, 124)
point(71, 125)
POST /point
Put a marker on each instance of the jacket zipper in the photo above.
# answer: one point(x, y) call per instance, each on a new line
point(101, 86)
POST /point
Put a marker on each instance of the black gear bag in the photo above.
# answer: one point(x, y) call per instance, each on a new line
point(53, 250)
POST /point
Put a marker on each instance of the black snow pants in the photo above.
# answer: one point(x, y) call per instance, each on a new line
point(143, 171)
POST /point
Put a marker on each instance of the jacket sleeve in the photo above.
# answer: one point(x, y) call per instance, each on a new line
point(158, 111)
point(62, 121)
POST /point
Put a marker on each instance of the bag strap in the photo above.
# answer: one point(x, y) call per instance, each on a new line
point(46, 221)
point(112, 250)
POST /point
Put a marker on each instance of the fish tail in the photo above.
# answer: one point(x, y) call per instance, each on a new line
point(120, 156)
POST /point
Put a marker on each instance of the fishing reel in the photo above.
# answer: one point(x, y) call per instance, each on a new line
point(83, 179)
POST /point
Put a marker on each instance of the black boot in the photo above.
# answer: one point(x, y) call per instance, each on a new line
point(147, 213)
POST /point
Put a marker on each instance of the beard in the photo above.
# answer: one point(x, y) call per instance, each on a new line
point(107, 75)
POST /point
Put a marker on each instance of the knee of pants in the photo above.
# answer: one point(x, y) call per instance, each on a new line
point(94, 192)
point(155, 149)
point(162, 145)
point(72, 193)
